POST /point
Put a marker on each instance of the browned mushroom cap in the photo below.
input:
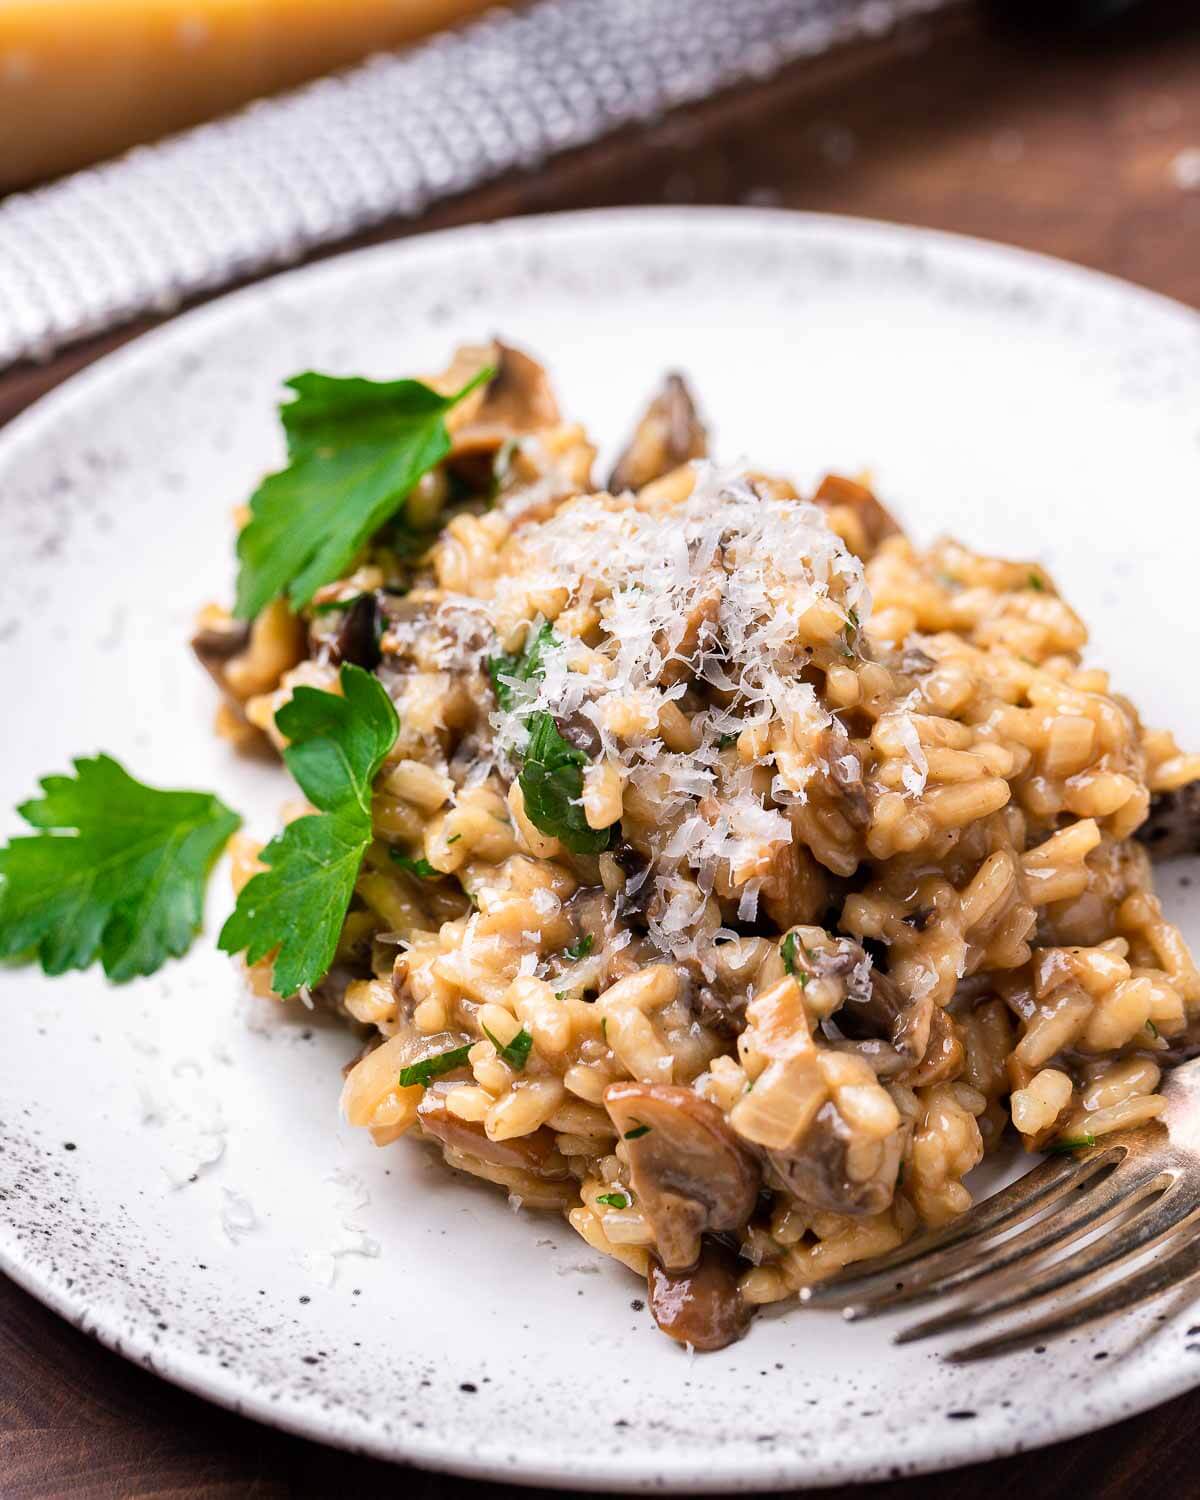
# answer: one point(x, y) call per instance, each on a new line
point(218, 641)
point(818, 1172)
point(855, 513)
point(688, 1170)
point(702, 1307)
point(1173, 827)
point(535, 1153)
point(669, 434)
point(517, 399)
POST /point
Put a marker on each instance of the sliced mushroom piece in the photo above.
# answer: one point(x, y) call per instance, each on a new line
point(688, 1170)
point(217, 641)
point(358, 636)
point(535, 1153)
point(669, 434)
point(822, 1173)
point(518, 399)
point(882, 1011)
point(869, 521)
point(701, 1307)
point(1173, 827)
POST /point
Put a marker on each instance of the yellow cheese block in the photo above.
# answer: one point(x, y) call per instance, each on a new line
point(82, 79)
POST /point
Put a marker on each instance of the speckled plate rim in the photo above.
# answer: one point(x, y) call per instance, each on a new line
point(937, 1448)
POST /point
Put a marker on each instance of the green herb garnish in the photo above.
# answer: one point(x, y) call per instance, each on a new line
point(516, 1053)
point(298, 904)
point(421, 867)
point(582, 948)
point(1036, 583)
point(727, 739)
point(552, 784)
point(637, 1132)
point(433, 1067)
point(1073, 1143)
point(787, 951)
point(614, 1200)
point(525, 667)
point(453, 839)
point(356, 449)
point(116, 872)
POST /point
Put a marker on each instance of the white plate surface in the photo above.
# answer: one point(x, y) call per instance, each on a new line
point(173, 1173)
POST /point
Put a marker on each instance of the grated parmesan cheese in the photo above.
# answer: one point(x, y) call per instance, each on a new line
point(721, 589)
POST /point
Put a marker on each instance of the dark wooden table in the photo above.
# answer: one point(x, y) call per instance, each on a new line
point(1081, 148)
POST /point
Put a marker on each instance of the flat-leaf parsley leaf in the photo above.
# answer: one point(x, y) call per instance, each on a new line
point(297, 905)
point(356, 448)
point(116, 871)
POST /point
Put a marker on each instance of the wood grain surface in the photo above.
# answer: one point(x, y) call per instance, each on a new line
point(1086, 148)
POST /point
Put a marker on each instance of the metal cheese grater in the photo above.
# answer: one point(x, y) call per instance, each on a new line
point(307, 169)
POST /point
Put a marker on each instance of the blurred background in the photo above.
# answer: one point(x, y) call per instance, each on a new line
point(153, 152)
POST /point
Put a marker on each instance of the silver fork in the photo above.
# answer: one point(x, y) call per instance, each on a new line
point(1007, 1254)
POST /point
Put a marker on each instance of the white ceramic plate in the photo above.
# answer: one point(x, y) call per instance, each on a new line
point(173, 1173)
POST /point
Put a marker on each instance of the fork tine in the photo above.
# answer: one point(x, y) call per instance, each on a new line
point(1169, 1272)
point(1067, 1220)
point(1003, 1210)
point(1152, 1222)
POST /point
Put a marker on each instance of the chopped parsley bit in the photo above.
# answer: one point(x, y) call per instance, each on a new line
point(749, 1089)
point(330, 605)
point(787, 951)
point(1072, 1143)
point(1036, 583)
point(453, 839)
point(727, 739)
point(526, 667)
point(604, 1027)
point(637, 1132)
point(1152, 1029)
point(562, 995)
point(614, 1200)
point(418, 867)
point(516, 1053)
point(433, 1067)
point(552, 784)
point(582, 948)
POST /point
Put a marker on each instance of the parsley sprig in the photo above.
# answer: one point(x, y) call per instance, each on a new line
point(116, 872)
point(296, 907)
point(356, 448)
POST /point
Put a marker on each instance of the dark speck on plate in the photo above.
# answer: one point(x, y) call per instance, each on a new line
point(961, 1416)
point(469, 1386)
point(70, 1146)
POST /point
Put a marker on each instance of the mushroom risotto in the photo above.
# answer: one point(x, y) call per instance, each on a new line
point(740, 870)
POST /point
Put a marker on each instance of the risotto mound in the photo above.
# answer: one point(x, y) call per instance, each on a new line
point(741, 871)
